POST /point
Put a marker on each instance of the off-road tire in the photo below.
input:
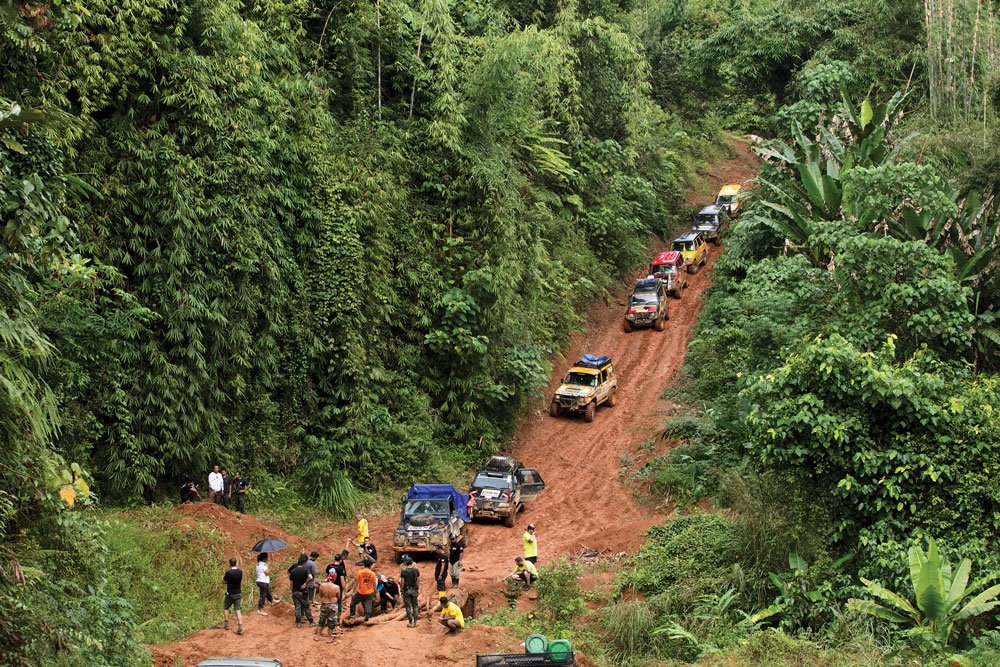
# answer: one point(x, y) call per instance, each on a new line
point(553, 408)
point(509, 520)
point(676, 293)
point(613, 397)
point(704, 260)
point(693, 268)
point(627, 327)
point(660, 323)
point(590, 411)
point(717, 240)
point(399, 556)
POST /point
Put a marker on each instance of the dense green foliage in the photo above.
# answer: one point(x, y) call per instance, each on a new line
point(842, 390)
point(334, 245)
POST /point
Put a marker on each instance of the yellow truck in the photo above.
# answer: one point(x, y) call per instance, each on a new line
point(589, 383)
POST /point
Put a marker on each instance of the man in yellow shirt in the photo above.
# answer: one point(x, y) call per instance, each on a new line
point(530, 544)
point(362, 533)
point(451, 616)
point(525, 571)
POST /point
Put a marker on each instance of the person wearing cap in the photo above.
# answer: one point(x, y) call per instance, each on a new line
point(409, 574)
point(451, 616)
point(329, 596)
point(365, 591)
point(525, 571)
point(388, 593)
point(362, 533)
point(530, 544)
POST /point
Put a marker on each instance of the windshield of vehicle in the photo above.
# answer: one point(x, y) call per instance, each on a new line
point(585, 379)
point(682, 246)
point(706, 219)
point(723, 199)
point(437, 506)
point(488, 482)
point(663, 268)
point(647, 299)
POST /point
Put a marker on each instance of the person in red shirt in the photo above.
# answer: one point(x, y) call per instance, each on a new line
point(364, 591)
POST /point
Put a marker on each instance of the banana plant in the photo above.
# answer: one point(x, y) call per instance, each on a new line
point(942, 597)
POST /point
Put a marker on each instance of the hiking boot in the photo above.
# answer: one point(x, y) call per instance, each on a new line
point(453, 631)
point(225, 625)
point(298, 624)
point(351, 617)
point(239, 630)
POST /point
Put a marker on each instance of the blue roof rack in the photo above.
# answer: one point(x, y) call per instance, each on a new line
point(647, 282)
point(590, 361)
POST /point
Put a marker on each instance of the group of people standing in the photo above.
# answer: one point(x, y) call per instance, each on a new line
point(329, 590)
point(223, 489)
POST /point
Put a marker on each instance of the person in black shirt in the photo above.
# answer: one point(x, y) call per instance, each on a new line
point(233, 579)
point(368, 552)
point(300, 578)
point(410, 576)
point(388, 593)
point(227, 488)
point(189, 492)
point(239, 491)
point(455, 560)
point(441, 571)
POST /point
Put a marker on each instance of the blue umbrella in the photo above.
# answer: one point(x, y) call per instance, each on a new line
point(270, 544)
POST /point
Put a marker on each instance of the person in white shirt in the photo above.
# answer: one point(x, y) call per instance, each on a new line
point(263, 583)
point(215, 485)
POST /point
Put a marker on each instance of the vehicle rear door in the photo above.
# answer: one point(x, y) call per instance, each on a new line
point(530, 482)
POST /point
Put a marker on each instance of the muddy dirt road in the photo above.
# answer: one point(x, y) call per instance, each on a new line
point(584, 503)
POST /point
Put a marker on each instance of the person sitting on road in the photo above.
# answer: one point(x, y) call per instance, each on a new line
point(525, 571)
point(369, 553)
point(451, 616)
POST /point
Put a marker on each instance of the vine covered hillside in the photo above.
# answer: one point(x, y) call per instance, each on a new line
point(334, 245)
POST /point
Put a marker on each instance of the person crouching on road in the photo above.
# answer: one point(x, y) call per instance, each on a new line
point(451, 616)
point(328, 594)
point(525, 571)
point(388, 593)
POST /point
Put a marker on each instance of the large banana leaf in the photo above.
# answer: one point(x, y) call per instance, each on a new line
point(980, 604)
point(892, 598)
point(875, 609)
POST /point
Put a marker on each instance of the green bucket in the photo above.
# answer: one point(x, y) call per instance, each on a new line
point(536, 644)
point(559, 650)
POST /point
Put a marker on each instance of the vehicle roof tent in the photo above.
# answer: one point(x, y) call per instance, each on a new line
point(590, 361)
point(503, 464)
point(461, 503)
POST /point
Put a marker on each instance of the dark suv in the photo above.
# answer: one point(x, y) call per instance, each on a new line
point(712, 221)
point(647, 306)
point(502, 488)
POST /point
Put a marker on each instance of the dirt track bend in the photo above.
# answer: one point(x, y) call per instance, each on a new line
point(584, 502)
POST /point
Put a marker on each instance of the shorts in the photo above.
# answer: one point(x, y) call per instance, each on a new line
point(328, 616)
point(234, 601)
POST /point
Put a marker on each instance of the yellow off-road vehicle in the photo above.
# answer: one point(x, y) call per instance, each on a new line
point(729, 199)
point(591, 382)
point(692, 245)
